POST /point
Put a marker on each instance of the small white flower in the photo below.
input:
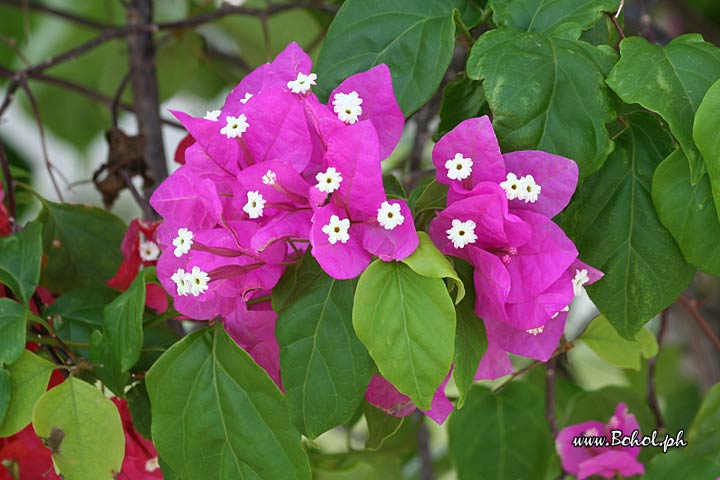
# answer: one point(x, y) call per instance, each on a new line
point(459, 168)
point(198, 281)
point(152, 464)
point(536, 331)
point(183, 242)
point(302, 83)
point(591, 432)
point(530, 190)
point(182, 282)
point(389, 215)
point(235, 126)
point(248, 96)
point(269, 178)
point(337, 230)
point(461, 233)
point(329, 180)
point(212, 115)
point(347, 106)
point(255, 204)
point(581, 278)
point(511, 186)
point(149, 251)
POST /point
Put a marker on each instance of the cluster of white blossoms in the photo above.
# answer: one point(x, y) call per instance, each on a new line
point(149, 251)
point(581, 278)
point(247, 97)
point(459, 168)
point(302, 83)
point(347, 106)
point(269, 178)
point(524, 188)
point(212, 115)
point(389, 215)
point(462, 233)
point(337, 230)
point(329, 180)
point(235, 126)
point(192, 283)
point(182, 242)
point(255, 204)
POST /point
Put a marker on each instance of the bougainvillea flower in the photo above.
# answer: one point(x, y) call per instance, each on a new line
point(4, 218)
point(606, 462)
point(385, 396)
point(141, 458)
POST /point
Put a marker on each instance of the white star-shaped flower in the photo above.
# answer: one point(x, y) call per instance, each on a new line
point(149, 251)
point(152, 464)
point(182, 282)
point(269, 178)
point(212, 115)
point(247, 97)
point(302, 83)
point(347, 106)
point(198, 281)
point(536, 331)
point(235, 126)
point(511, 186)
point(530, 190)
point(459, 168)
point(337, 230)
point(581, 278)
point(389, 215)
point(461, 233)
point(182, 242)
point(255, 204)
point(329, 180)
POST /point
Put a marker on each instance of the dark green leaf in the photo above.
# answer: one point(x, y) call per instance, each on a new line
point(20, 256)
point(380, 426)
point(432, 196)
point(393, 187)
point(77, 313)
point(471, 11)
point(29, 377)
point(614, 224)
point(217, 415)
point(461, 99)
point(139, 406)
point(13, 318)
point(325, 369)
point(706, 133)
point(600, 405)
point(549, 15)
point(676, 464)
point(704, 435)
point(415, 38)
point(561, 107)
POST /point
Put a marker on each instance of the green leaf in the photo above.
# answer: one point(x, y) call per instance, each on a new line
point(77, 313)
point(671, 81)
point(432, 196)
point(614, 224)
point(561, 108)
point(604, 340)
point(600, 405)
point(470, 338)
point(13, 318)
point(82, 245)
point(325, 368)
point(706, 133)
point(688, 212)
point(380, 425)
point(676, 464)
point(217, 415)
point(20, 256)
point(471, 13)
point(549, 15)
point(407, 323)
point(91, 438)
point(414, 38)
point(29, 376)
point(427, 261)
point(5, 393)
point(461, 99)
point(704, 435)
point(139, 406)
point(502, 435)
point(118, 347)
point(393, 187)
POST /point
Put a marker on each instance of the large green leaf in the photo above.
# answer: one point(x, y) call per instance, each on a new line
point(5, 391)
point(381, 426)
point(549, 15)
point(676, 464)
point(82, 245)
point(13, 318)
point(604, 340)
point(325, 368)
point(407, 323)
point(217, 415)
point(415, 38)
point(118, 347)
point(29, 377)
point(462, 98)
point(670, 80)
point(688, 212)
point(561, 106)
point(77, 313)
point(429, 262)
point(87, 428)
point(501, 436)
point(614, 224)
point(706, 133)
point(704, 435)
point(20, 256)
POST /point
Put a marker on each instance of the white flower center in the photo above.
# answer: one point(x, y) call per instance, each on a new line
point(389, 215)
point(182, 242)
point(566, 308)
point(302, 83)
point(149, 251)
point(247, 97)
point(255, 204)
point(524, 188)
point(329, 180)
point(536, 331)
point(459, 168)
point(182, 282)
point(581, 278)
point(212, 115)
point(461, 233)
point(235, 126)
point(152, 464)
point(198, 281)
point(337, 230)
point(269, 178)
point(347, 106)
point(592, 432)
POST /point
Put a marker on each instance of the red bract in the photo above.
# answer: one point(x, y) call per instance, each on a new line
point(184, 144)
point(141, 458)
point(4, 218)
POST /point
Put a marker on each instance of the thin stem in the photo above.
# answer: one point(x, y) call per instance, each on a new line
point(619, 29)
point(141, 202)
point(652, 399)
point(12, 209)
point(423, 445)
point(564, 348)
point(42, 8)
point(51, 341)
point(691, 307)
